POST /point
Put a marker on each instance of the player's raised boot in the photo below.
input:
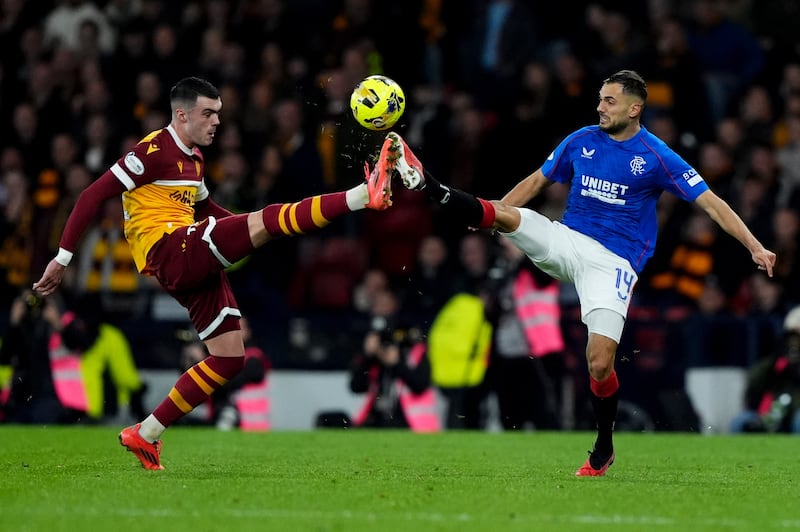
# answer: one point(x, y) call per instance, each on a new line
point(408, 166)
point(149, 454)
point(596, 465)
point(379, 179)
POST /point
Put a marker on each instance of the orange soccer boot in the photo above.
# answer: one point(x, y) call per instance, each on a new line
point(379, 179)
point(149, 454)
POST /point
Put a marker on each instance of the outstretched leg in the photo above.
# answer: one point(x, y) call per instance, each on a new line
point(475, 212)
point(306, 215)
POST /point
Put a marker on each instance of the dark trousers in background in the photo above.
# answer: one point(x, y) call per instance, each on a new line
point(528, 390)
point(465, 408)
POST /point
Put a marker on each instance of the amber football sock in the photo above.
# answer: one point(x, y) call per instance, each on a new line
point(305, 215)
point(196, 386)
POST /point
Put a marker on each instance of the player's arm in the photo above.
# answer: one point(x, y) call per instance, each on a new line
point(83, 213)
point(527, 189)
point(208, 207)
point(417, 378)
point(205, 206)
point(721, 212)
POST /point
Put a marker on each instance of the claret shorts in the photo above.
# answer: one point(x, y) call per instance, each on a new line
point(187, 266)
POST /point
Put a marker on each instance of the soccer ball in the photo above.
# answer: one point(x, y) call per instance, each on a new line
point(377, 102)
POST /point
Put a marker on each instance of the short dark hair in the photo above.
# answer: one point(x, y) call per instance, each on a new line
point(631, 81)
point(189, 89)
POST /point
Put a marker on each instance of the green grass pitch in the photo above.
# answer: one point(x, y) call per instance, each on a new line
point(79, 478)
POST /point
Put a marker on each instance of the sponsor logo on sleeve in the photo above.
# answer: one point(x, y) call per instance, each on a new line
point(134, 164)
point(692, 177)
point(587, 154)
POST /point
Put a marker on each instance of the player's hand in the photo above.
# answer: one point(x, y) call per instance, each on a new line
point(51, 278)
point(765, 260)
point(389, 355)
point(18, 308)
point(372, 343)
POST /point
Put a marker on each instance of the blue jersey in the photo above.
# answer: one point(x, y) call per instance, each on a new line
point(615, 187)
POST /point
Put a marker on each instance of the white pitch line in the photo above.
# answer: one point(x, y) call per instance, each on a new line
point(434, 517)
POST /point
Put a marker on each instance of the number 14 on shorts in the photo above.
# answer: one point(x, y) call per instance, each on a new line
point(625, 280)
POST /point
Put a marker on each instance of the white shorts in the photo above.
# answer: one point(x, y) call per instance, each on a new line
point(602, 279)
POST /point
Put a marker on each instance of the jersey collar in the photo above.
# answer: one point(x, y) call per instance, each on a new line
point(183, 147)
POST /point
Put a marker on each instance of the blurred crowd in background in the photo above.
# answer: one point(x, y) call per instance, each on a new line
point(491, 87)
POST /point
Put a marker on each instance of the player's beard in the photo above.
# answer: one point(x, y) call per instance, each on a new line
point(613, 127)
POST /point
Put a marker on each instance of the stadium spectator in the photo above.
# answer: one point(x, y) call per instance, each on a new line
point(394, 373)
point(92, 366)
point(502, 43)
point(527, 363)
point(257, 116)
point(105, 269)
point(25, 349)
point(729, 55)
point(672, 71)
point(789, 160)
point(758, 116)
point(185, 240)
point(99, 146)
point(63, 26)
point(302, 166)
point(528, 130)
point(616, 41)
point(729, 135)
point(16, 221)
point(594, 246)
point(475, 255)
point(373, 282)
point(767, 306)
point(54, 192)
point(27, 137)
point(129, 59)
point(785, 241)
point(715, 164)
point(772, 396)
point(459, 343)
point(692, 261)
point(430, 283)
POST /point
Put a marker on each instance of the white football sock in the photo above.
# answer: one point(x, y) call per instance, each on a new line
point(151, 429)
point(357, 197)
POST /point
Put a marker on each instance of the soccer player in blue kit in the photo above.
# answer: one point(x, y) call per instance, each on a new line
point(616, 171)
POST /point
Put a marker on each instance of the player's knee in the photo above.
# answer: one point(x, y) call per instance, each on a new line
point(507, 218)
point(600, 368)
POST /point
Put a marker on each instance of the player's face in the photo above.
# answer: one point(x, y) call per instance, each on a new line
point(202, 120)
point(617, 110)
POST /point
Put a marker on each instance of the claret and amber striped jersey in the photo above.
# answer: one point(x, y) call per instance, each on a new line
point(164, 179)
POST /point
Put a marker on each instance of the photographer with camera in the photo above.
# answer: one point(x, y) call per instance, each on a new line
point(394, 372)
point(25, 348)
point(772, 397)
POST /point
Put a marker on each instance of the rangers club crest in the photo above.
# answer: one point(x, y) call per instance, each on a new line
point(637, 165)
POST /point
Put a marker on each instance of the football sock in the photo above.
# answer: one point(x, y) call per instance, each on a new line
point(151, 429)
point(475, 212)
point(196, 386)
point(310, 213)
point(605, 399)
